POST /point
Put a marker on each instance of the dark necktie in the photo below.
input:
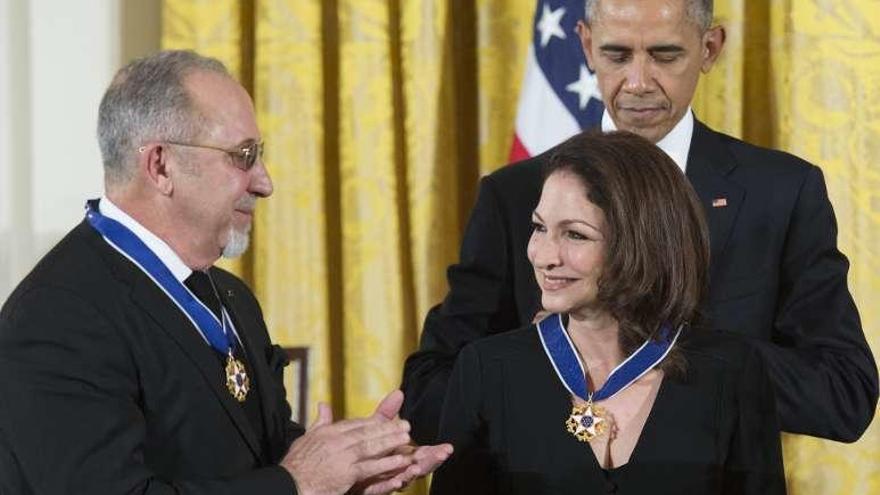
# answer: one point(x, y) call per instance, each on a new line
point(200, 284)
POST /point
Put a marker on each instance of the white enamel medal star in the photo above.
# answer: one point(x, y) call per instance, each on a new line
point(586, 421)
point(237, 380)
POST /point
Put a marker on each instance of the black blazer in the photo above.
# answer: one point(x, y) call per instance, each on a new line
point(712, 430)
point(776, 276)
point(106, 387)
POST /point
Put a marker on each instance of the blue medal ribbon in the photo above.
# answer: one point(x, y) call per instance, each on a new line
point(567, 363)
point(130, 246)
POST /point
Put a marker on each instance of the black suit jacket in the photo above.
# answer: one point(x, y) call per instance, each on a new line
point(106, 387)
point(776, 275)
point(711, 430)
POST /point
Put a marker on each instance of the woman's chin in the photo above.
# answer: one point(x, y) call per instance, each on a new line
point(554, 305)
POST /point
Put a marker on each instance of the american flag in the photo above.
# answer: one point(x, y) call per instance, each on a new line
point(559, 95)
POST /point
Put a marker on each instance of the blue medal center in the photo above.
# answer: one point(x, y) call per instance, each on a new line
point(587, 421)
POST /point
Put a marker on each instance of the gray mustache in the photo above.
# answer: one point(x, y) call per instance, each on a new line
point(246, 203)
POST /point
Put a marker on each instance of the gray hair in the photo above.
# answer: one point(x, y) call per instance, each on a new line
point(147, 101)
point(699, 11)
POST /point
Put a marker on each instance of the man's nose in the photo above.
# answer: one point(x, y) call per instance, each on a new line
point(261, 183)
point(638, 76)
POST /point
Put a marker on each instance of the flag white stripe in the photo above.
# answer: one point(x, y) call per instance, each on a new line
point(542, 120)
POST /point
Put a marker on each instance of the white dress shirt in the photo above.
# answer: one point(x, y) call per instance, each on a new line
point(676, 144)
point(166, 255)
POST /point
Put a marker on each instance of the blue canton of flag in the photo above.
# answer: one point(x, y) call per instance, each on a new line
point(560, 95)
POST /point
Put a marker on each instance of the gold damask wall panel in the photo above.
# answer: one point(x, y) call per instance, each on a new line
point(504, 31)
point(212, 27)
point(430, 74)
point(291, 257)
point(826, 61)
point(377, 294)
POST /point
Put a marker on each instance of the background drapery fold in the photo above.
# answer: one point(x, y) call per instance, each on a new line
point(380, 115)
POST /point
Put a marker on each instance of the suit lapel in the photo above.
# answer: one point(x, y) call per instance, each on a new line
point(707, 169)
point(244, 319)
point(179, 328)
point(155, 303)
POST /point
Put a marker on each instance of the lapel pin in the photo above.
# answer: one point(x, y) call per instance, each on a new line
point(719, 202)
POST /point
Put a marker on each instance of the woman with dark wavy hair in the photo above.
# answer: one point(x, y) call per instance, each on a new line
point(616, 389)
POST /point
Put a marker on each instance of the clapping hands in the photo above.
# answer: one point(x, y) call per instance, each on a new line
point(369, 456)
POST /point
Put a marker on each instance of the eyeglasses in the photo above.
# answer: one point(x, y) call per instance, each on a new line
point(243, 158)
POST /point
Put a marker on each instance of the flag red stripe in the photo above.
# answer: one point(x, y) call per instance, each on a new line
point(517, 150)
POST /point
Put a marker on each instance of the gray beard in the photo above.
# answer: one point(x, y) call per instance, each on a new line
point(237, 243)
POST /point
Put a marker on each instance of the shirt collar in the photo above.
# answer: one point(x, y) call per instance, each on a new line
point(676, 144)
point(158, 246)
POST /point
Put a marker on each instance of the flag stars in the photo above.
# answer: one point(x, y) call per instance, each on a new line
point(585, 87)
point(549, 24)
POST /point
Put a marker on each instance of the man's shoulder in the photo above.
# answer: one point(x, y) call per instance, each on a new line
point(72, 260)
point(516, 187)
point(755, 159)
point(526, 172)
point(74, 269)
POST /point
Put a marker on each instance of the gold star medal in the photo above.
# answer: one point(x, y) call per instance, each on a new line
point(587, 421)
point(237, 380)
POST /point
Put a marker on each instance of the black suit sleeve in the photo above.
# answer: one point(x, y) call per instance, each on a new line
point(71, 406)
point(754, 461)
point(480, 299)
point(469, 470)
point(824, 372)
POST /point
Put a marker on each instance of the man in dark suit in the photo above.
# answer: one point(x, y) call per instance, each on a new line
point(129, 364)
point(776, 274)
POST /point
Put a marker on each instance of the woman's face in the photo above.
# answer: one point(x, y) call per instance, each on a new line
point(567, 247)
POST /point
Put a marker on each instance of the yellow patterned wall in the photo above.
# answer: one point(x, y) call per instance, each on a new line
point(802, 76)
point(373, 230)
point(292, 261)
point(827, 110)
point(504, 31)
point(380, 115)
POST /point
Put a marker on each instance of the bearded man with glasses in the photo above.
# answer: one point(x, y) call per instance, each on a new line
point(130, 364)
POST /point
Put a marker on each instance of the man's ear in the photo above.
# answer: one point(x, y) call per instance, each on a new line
point(586, 36)
point(713, 42)
point(153, 163)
